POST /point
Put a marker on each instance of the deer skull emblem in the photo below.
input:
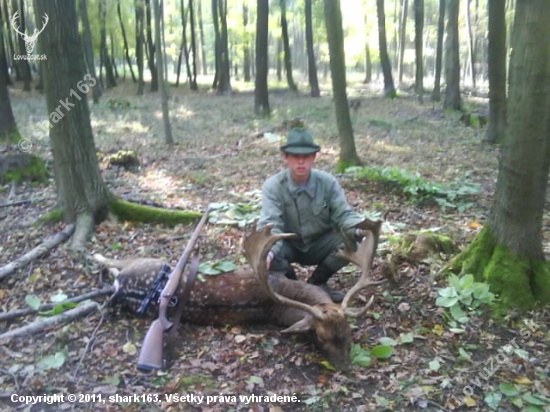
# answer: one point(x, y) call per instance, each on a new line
point(30, 41)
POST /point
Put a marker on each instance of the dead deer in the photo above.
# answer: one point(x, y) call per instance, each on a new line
point(253, 294)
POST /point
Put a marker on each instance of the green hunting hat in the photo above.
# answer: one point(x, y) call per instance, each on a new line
point(299, 141)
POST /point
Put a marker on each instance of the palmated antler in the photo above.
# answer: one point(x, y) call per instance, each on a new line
point(362, 257)
point(256, 247)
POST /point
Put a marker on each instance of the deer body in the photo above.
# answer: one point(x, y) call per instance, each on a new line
point(253, 295)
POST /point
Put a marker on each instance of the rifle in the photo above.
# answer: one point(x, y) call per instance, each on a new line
point(150, 356)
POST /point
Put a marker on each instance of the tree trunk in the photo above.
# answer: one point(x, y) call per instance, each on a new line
point(224, 85)
point(246, 43)
point(279, 60)
point(436, 93)
point(286, 46)
point(217, 44)
point(109, 74)
point(162, 82)
point(113, 54)
point(508, 253)
point(368, 61)
point(335, 36)
point(202, 43)
point(125, 40)
point(184, 50)
point(311, 63)
point(193, 80)
point(3, 54)
point(452, 61)
point(261, 94)
point(418, 43)
point(470, 42)
point(389, 88)
point(88, 49)
point(11, 48)
point(402, 39)
point(81, 190)
point(23, 64)
point(497, 71)
point(151, 48)
point(8, 127)
point(138, 5)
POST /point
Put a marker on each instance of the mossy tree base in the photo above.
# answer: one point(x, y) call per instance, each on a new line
point(519, 281)
point(132, 212)
point(342, 165)
point(18, 167)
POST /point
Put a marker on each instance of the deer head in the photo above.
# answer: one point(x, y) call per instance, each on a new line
point(326, 319)
point(30, 41)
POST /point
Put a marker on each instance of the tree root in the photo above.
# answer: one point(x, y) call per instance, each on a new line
point(38, 251)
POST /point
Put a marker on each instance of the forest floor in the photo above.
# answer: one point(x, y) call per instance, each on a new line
point(218, 159)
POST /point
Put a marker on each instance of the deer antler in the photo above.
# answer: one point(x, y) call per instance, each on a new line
point(362, 257)
point(13, 21)
point(256, 247)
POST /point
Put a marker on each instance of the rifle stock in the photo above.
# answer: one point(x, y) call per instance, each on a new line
point(150, 356)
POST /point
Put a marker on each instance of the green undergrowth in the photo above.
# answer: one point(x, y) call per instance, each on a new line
point(454, 195)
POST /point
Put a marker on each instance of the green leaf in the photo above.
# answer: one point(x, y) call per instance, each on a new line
point(111, 380)
point(458, 314)
point(208, 269)
point(387, 341)
point(381, 352)
point(52, 361)
point(466, 282)
point(326, 364)
point(406, 337)
point(464, 354)
point(434, 365)
point(532, 408)
point(116, 246)
point(457, 330)
point(448, 292)
point(256, 380)
point(508, 389)
point(381, 401)
point(59, 297)
point(446, 302)
point(225, 266)
point(362, 360)
point(492, 400)
point(533, 399)
point(33, 301)
point(58, 309)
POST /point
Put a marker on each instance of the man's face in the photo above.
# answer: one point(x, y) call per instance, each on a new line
point(300, 165)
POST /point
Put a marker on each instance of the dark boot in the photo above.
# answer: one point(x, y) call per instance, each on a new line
point(320, 277)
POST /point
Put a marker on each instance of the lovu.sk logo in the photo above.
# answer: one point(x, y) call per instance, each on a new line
point(30, 41)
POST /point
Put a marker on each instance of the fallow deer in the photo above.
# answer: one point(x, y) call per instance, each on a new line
point(251, 294)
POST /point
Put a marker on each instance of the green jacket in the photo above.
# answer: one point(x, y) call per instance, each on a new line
point(309, 211)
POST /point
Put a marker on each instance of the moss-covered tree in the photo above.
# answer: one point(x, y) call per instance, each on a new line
point(508, 252)
point(81, 191)
point(335, 36)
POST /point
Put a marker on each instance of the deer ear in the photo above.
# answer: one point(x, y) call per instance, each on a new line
point(303, 325)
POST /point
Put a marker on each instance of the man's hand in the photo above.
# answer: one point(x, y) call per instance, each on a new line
point(269, 259)
point(360, 233)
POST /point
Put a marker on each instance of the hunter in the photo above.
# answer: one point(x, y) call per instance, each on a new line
point(312, 204)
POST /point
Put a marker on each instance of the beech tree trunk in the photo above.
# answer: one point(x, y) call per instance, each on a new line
point(286, 46)
point(261, 94)
point(311, 62)
point(335, 36)
point(151, 48)
point(497, 71)
point(436, 93)
point(471, 54)
point(368, 61)
point(81, 190)
point(389, 87)
point(402, 39)
point(224, 84)
point(125, 40)
point(246, 43)
point(88, 49)
point(508, 252)
point(138, 5)
point(201, 41)
point(193, 80)
point(110, 80)
point(23, 64)
point(452, 61)
point(418, 47)
point(8, 127)
point(162, 82)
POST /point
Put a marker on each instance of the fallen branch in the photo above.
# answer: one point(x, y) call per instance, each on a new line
point(7, 316)
point(41, 325)
point(38, 251)
point(20, 202)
